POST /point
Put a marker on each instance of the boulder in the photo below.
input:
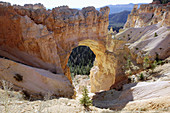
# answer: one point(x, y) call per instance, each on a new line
point(35, 82)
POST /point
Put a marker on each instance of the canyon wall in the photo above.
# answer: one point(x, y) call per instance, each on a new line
point(147, 31)
point(148, 14)
point(145, 34)
point(44, 39)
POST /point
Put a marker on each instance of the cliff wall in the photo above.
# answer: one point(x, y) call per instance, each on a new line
point(149, 14)
point(44, 39)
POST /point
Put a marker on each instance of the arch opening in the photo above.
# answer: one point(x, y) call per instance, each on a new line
point(81, 61)
point(102, 73)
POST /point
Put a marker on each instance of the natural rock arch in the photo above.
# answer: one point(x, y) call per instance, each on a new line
point(45, 39)
point(103, 77)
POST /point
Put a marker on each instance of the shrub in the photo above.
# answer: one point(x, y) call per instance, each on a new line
point(160, 62)
point(128, 72)
point(153, 65)
point(128, 63)
point(141, 76)
point(146, 62)
point(155, 35)
point(85, 100)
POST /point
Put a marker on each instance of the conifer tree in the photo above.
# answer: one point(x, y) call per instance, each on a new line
point(85, 100)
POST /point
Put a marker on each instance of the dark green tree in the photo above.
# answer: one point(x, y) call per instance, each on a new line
point(155, 35)
point(81, 60)
point(85, 100)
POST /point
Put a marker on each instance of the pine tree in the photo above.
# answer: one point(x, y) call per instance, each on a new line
point(85, 100)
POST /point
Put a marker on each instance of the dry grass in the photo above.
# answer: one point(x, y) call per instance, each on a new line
point(13, 102)
point(8, 97)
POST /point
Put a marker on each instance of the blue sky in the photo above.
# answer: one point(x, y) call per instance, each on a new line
point(76, 3)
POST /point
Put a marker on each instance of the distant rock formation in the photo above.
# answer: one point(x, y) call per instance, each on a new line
point(35, 6)
point(148, 14)
point(160, 2)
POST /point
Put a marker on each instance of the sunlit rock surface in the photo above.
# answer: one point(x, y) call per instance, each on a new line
point(152, 41)
point(147, 31)
point(144, 94)
point(148, 14)
point(43, 38)
point(35, 82)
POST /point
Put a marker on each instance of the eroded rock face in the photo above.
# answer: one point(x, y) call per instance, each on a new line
point(152, 41)
point(148, 14)
point(34, 81)
point(34, 36)
point(144, 40)
point(147, 31)
point(44, 39)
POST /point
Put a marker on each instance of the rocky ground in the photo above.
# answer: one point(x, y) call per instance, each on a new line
point(143, 96)
point(149, 95)
point(13, 102)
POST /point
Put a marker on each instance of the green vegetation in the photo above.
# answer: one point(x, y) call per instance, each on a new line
point(81, 61)
point(85, 100)
point(146, 62)
point(155, 35)
point(153, 65)
point(141, 76)
point(128, 63)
